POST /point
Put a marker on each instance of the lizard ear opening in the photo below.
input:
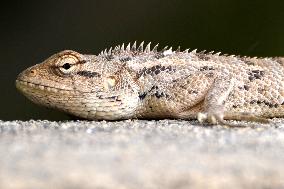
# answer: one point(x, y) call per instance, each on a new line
point(110, 82)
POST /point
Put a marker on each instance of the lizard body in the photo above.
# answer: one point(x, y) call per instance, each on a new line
point(142, 82)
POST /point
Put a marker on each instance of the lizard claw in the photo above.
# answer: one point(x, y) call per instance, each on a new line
point(211, 118)
point(201, 117)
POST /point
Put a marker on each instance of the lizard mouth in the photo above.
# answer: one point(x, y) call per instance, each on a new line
point(23, 85)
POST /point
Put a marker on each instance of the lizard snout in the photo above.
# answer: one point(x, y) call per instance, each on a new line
point(27, 74)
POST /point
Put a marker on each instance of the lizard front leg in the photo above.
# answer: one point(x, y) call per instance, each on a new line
point(215, 99)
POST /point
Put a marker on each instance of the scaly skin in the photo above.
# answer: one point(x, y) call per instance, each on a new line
point(129, 82)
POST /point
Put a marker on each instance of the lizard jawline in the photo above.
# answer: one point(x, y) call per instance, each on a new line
point(22, 85)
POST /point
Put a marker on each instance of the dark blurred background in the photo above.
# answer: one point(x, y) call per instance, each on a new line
point(33, 30)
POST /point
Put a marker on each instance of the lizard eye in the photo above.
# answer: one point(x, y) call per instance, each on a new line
point(66, 66)
point(67, 63)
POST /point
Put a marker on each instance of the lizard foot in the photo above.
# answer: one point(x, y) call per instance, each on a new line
point(218, 118)
point(211, 118)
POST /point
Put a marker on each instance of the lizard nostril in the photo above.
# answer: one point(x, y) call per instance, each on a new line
point(32, 72)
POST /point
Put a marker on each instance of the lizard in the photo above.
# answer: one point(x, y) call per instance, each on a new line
point(143, 82)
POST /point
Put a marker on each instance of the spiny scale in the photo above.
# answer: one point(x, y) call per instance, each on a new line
point(147, 49)
point(140, 49)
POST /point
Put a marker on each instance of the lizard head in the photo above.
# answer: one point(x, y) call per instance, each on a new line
point(86, 86)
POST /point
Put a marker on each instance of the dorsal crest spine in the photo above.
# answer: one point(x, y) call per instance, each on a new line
point(120, 49)
point(134, 49)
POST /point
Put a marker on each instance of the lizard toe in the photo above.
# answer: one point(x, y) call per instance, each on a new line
point(209, 117)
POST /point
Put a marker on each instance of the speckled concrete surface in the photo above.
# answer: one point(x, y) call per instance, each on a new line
point(139, 154)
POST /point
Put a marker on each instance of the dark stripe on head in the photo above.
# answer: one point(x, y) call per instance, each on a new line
point(88, 74)
point(81, 62)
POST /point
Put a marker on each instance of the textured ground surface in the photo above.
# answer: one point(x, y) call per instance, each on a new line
point(139, 154)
